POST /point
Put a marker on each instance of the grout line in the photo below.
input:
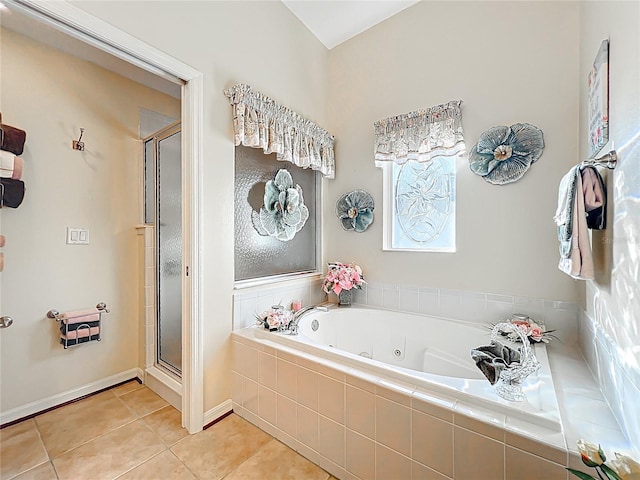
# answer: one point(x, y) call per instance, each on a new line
point(140, 464)
point(185, 465)
point(94, 438)
point(54, 469)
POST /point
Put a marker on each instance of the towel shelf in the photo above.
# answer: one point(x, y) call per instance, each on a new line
point(608, 161)
point(81, 326)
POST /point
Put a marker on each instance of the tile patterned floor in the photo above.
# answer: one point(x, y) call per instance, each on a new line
point(130, 433)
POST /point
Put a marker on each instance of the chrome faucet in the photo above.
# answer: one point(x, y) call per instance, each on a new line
point(293, 326)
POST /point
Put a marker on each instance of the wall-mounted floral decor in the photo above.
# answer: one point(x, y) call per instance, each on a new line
point(284, 212)
point(504, 154)
point(355, 210)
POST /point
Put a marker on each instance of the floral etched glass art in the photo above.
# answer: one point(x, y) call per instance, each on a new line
point(424, 205)
point(284, 212)
point(504, 154)
point(355, 210)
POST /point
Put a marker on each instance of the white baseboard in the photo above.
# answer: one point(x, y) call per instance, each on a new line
point(54, 400)
point(217, 411)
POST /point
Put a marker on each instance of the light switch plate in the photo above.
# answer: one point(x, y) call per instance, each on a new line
point(77, 236)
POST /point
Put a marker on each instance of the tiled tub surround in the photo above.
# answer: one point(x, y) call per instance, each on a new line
point(358, 425)
point(439, 302)
point(417, 351)
point(247, 302)
point(617, 373)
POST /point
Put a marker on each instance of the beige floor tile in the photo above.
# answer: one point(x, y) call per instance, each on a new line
point(143, 401)
point(42, 472)
point(165, 465)
point(72, 425)
point(130, 386)
point(20, 449)
point(215, 452)
point(275, 460)
point(110, 455)
point(167, 424)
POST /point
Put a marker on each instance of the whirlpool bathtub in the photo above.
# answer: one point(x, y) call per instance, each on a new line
point(416, 352)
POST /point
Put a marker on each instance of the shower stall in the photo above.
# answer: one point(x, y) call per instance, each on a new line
point(163, 210)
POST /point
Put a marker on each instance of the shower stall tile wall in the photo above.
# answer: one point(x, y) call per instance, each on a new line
point(149, 294)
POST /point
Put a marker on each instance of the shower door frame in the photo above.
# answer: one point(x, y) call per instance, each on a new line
point(156, 138)
point(81, 25)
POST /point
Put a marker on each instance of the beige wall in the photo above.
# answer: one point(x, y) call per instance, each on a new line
point(51, 95)
point(613, 299)
point(509, 62)
point(259, 43)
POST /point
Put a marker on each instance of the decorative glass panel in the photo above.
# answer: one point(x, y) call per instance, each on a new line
point(258, 256)
point(423, 205)
point(169, 238)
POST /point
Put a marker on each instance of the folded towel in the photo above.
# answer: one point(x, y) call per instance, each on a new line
point(81, 319)
point(78, 326)
point(11, 192)
point(492, 359)
point(595, 198)
point(2, 241)
point(6, 163)
point(12, 139)
point(68, 342)
point(81, 332)
point(79, 313)
point(10, 165)
point(17, 168)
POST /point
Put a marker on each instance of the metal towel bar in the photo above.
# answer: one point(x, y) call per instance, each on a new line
point(83, 329)
point(608, 160)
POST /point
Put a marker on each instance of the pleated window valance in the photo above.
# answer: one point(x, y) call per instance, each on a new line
point(260, 122)
point(421, 135)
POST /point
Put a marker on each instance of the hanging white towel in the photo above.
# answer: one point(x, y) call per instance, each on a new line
point(576, 260)
point(6, 164)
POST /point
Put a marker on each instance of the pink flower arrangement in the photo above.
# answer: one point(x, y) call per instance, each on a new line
point(535, 332)
point(342, 276)
point(532, 330)
point(275, 318)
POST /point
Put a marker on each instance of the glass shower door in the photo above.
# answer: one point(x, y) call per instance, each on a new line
point(166, 197)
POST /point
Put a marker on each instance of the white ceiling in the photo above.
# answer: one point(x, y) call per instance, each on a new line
point(336, 21)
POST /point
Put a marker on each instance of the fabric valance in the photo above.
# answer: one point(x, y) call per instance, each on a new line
point(260, 122)
point(421, 135)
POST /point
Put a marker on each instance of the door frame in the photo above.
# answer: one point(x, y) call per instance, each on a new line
point(98, 33)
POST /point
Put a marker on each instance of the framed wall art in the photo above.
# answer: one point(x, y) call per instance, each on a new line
point(598, 97)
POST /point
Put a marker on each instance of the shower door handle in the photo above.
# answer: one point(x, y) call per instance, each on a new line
point(5, 321)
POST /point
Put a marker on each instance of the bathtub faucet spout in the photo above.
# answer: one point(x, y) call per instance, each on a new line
point(293, 326)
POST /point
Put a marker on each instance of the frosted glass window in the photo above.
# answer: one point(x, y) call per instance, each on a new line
point(259, 256)
point(420, 201)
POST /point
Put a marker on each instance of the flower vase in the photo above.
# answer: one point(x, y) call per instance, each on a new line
point(344, 298)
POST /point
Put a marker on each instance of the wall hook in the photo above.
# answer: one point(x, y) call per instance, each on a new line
point(78, 144)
